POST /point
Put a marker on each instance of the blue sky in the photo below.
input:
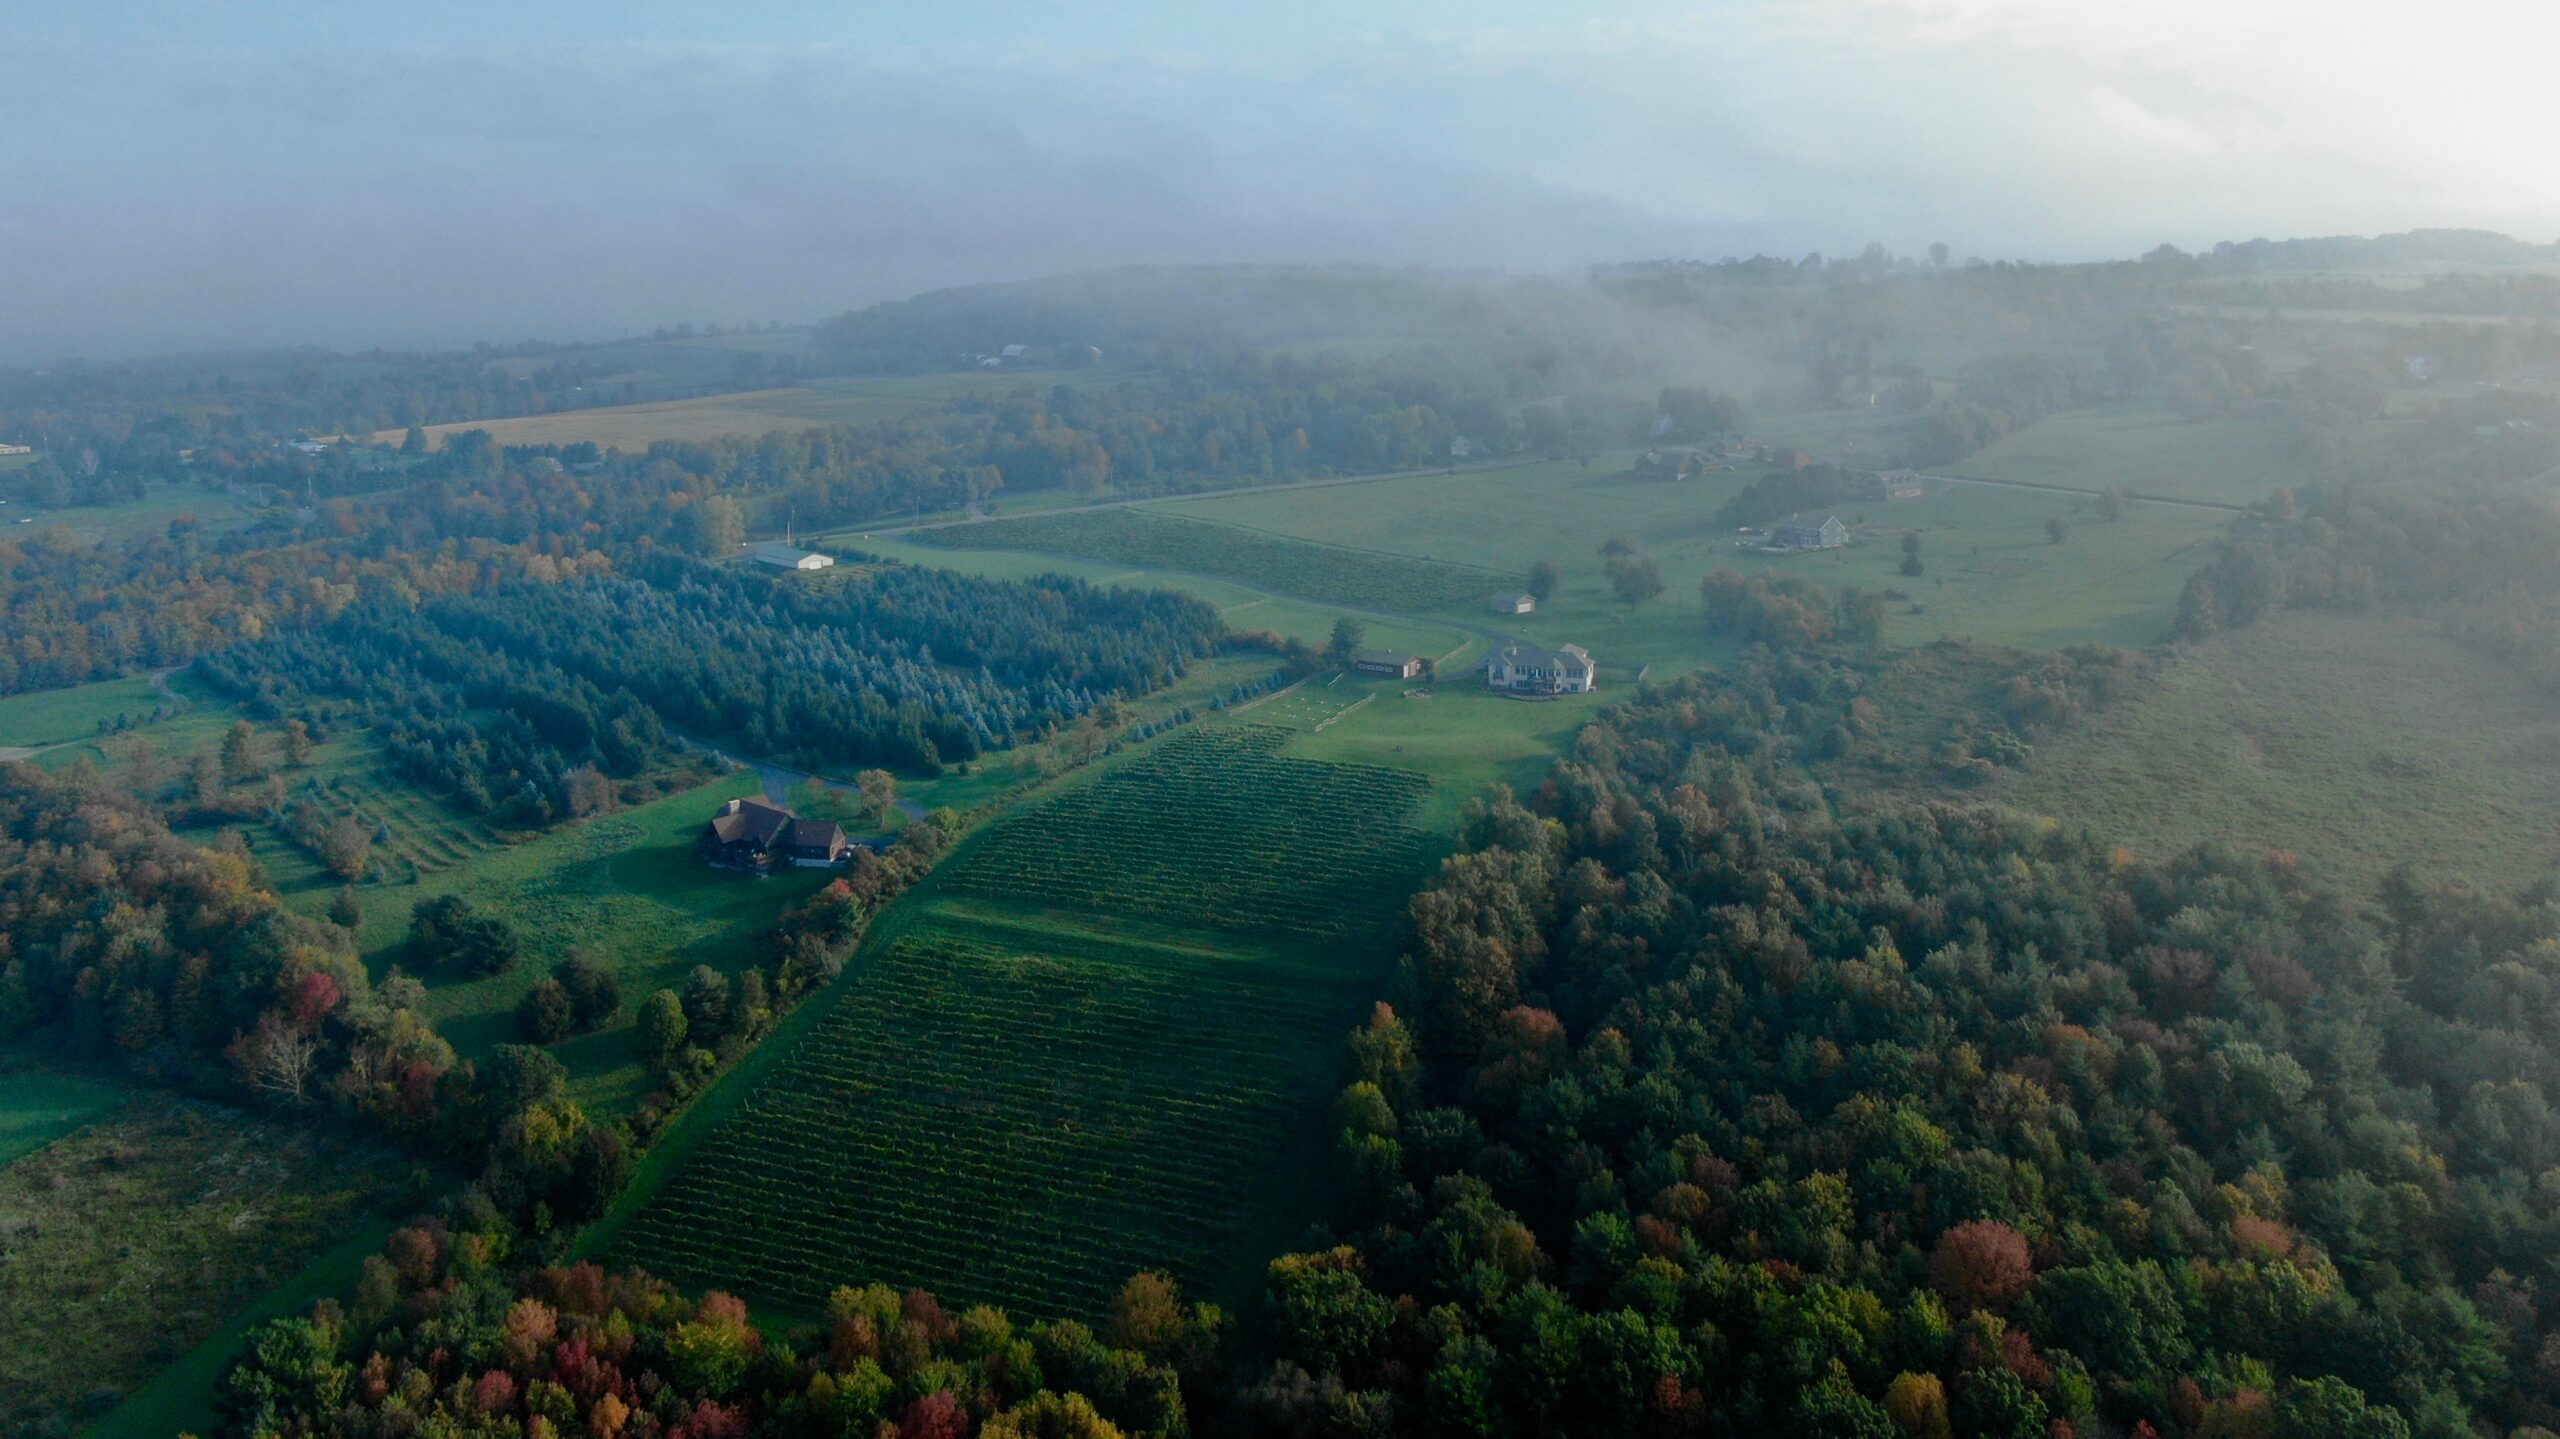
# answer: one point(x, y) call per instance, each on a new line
point(196, 175)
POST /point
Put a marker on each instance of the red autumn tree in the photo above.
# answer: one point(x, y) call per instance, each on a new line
point(1982, 1264)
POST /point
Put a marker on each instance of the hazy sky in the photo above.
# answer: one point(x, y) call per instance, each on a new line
point(186, 174)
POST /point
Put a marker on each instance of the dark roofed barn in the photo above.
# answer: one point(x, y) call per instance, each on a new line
point(754, 837)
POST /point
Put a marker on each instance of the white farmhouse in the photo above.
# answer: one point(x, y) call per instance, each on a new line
point(1521, 668)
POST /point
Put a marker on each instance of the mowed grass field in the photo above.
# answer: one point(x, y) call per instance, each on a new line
point(1097, 1041)
point(1148, 539)
point(2354, 741)
point(2148, 450)
point(748, 413)
point(134, 1237)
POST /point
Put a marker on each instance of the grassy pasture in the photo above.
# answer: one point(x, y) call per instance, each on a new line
point(1176, 541)
point(2355, 742)
point(133, 1238)
point(1243, 607)
point(114, 524)
point(1991, 572)
point(1092, 1043)
point(2149, 451)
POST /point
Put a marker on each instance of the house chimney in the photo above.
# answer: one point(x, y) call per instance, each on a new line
point(730, 808)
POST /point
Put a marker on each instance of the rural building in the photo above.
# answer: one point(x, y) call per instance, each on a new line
point(1792, 459)
point(1521, 668)
point(754, 837)
point(1892, 485)
point(1016, 352)
point(17, 449)
point(785, 557)
point(1514, 604)
point(1829, 535)
point(1388, 662)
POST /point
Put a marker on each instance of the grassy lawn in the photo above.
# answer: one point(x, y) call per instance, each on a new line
point(2355, 742)
point(134, 1238)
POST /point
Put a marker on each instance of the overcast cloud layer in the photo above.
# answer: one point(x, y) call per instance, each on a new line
point(186, 176)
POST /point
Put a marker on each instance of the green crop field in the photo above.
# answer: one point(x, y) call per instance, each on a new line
point(133, 1238)
point(2302, 733)
point(1088, 1049)
point(1331, 572)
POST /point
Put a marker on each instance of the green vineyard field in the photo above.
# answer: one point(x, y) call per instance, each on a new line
point(1214, 827)
point(1008, 1105)
point(1021, 1126)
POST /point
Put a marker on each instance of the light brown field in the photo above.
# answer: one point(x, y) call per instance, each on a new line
point(746, 413)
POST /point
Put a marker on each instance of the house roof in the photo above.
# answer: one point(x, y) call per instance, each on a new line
point(824, 835)
point(1397, 659)
point(750, 821)
point(1523, 653)
point(1515, 597)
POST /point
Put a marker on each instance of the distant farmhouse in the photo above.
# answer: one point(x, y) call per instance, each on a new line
point(1521, 668)
point(753, 837)
point(17, 449)
point(1787, 538)
point(1894, 485)
point(1388, 662)
point(785, 557)
point(1514, 604)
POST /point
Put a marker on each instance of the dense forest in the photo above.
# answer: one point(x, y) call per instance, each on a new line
point(1704, 1110)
